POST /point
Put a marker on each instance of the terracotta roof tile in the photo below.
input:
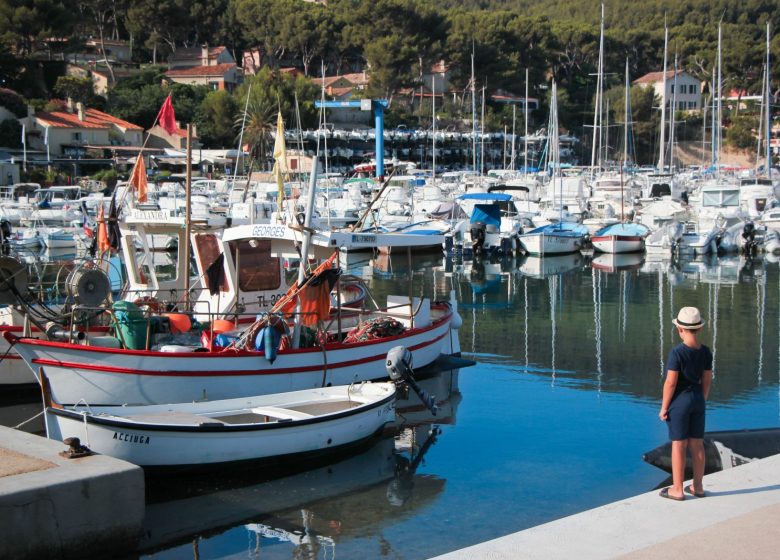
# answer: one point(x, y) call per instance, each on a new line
point(215, 70)
point(655, 77)
point(92, 119)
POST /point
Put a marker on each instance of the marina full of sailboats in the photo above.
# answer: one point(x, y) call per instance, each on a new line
point(213, 306)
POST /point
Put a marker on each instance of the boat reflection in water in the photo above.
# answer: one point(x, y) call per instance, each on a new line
point(542, 267)
point(614, 262)
point(310, 510)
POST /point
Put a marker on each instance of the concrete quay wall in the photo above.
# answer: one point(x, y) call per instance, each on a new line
point(58, 508)
point(738, 518)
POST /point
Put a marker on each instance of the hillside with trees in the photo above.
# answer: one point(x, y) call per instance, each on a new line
point(394, 40)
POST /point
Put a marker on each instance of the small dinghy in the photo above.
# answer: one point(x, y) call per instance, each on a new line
point(269, 428)
point(723, 450)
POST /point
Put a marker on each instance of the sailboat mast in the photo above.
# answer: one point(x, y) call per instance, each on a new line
point(672, 119)
point(661, 158)
point(713, 131)
point(482, 135)
point(473, 113)
point(719, 132)
point(433, 125)
point(525, 136)
point(596, 148)
point(512, 157)
point(627, 100)
point(768, 107)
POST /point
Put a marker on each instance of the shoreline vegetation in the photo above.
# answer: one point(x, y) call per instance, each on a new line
point(397, 43)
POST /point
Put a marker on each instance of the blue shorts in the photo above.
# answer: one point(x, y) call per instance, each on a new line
point(686, 415)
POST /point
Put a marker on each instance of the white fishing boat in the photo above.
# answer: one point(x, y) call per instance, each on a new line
point(273, 428)
point(620, 238)
point(58, 238)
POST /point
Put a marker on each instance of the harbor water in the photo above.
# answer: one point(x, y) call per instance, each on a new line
point(552, 420)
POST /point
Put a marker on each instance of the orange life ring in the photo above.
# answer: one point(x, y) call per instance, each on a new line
point(152, 303)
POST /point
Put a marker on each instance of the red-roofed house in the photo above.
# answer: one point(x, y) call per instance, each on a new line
point(214, 67)
point(76, 127)
point(220, 76)
point(688, 96)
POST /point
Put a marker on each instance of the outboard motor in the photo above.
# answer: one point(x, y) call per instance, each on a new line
point(749, 235)
point(478, 231)
point(399, 369)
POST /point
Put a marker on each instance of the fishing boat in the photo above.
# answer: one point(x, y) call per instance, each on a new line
point(270, 356)
point(623, 237)
point(271, 428)
point(723, 450)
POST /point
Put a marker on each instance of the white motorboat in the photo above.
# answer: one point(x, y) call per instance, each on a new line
point(271, 428)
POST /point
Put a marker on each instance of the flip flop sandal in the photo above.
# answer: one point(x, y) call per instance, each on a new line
point(665, 494)
point(689, 490)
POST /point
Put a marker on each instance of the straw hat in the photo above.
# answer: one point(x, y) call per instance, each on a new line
point(689, 318)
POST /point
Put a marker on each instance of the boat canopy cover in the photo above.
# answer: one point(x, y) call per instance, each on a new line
point(564, 229)
point(486, 196)
point(447, 211)
point(631, 228)
point(487, 214)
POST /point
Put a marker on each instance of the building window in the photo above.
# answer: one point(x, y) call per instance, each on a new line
point(672, 89)
point(691, 105)
point(683, 88)
point(77, 137)
point(214, 86)
point(692, 88)
point(681, 105)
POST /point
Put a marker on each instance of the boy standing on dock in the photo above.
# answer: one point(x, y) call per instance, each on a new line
point(687, 385)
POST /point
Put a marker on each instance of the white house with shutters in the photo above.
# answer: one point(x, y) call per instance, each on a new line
point(685, 90)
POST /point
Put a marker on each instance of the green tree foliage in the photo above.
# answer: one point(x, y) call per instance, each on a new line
point(78, 89)
point(742, 132)
point(215, 118)
point(10, 134)
point(23, 23)
point(13, 102)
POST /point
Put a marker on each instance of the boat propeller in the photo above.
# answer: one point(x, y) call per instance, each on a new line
point(399, 368)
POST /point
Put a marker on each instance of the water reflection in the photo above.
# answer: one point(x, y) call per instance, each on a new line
point(313, 510)
point(608, 326)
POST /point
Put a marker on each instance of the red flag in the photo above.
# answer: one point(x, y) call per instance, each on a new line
point(103, 243)
point(138, 178)
point(166, 117)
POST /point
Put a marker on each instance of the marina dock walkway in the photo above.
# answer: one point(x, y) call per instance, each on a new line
point(738, 519)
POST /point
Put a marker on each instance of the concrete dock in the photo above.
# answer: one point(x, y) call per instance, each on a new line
point(737, 519)
point(60, 508)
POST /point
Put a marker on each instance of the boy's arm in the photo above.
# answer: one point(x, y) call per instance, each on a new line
point(706, 382)
point(669, 386)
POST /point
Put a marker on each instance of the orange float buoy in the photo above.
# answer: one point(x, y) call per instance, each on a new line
point(222, 325)
point(180, 323)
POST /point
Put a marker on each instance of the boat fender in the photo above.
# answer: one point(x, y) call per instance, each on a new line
point(269, 343)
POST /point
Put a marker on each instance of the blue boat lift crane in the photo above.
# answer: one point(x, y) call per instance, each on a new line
point(378, 106)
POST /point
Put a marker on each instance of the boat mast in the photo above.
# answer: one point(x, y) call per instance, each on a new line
point(719, 132)
point(433, 125)
point(661, 158)
point(672, 119)
point(473, 113)
point(627, 100)
point(512, 157)
point(713, 131)
point(482, 135)
point(596, 148)
point(768, 118)
point(525, 136)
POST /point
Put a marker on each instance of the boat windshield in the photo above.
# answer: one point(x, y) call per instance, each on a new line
point(720, 198)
